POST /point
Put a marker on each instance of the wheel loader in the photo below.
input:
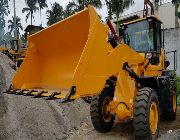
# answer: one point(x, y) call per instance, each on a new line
point(125, 78)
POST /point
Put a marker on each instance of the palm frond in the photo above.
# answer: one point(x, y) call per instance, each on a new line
point(42, 4)
point(55, 14)
point(72, 6)
point(95, 3)
point(10, 21)
point(27, 16)
point(26, 9)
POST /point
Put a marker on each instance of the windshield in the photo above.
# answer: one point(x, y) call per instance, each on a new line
point(139, 36)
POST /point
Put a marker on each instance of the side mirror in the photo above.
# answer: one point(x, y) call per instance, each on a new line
point(167, 63)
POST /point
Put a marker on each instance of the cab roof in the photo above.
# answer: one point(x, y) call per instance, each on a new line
point(140, 19)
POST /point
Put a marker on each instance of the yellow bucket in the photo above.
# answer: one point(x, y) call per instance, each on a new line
point(68, 53)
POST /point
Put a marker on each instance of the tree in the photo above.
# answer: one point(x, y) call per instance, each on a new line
point(109, 8)
point(3, 12)
point(18, 25)
point(23, 39)
point(156, 5)
point(42, 4)
point(30, 9)
point(55, 14)
point(71, 8)
point(68, 11)
point(178, 89)
point(7, 37)
point(78, 5)
point(118, 7)
point(176, 4)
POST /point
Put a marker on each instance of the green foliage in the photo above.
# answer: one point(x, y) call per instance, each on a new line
point(33, 6)
point(174, 1)
point(78, 5)
point(176, 5)
point(118, 7)
point(109, 8)
point(3, 12)
point(178, 89)
point(18, 24)
point(42, 4)
point(55, 14)
point(23, 39)
point(178, 100)
point(7, 37)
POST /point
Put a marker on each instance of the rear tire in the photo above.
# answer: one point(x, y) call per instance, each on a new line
point(170, 113)
point(146, 115)
point(101, 120)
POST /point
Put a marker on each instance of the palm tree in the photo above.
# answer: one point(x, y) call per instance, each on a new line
point(3, 12)
point(18, 25)
point(30, 9)
point(176, 3)
point(42, 4)
point(68, 11)
point(78, 5)
point(55, 14)
point(109, 7)
point(118, 7)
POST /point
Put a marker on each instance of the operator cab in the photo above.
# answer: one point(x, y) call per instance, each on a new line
point(143, 35)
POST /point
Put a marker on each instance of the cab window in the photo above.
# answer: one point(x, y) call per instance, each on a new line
point(139, 36)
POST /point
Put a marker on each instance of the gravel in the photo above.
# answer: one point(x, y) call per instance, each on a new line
point(6, 72)
point(26, 118)
point(171, 135)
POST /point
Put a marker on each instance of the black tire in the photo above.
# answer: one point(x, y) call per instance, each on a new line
point(96, 108)
point(170, 113)
point(144, 99)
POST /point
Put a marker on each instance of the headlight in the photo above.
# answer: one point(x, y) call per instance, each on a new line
point(149, 55)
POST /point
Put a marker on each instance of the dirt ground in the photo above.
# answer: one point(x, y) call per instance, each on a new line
point(27, 118)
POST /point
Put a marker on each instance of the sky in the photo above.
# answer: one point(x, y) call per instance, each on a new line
point(20, 4)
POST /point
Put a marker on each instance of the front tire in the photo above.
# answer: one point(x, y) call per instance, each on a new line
point(101, 117)
point(146, 114)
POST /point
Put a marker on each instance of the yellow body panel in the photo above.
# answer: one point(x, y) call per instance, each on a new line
point(3, 49)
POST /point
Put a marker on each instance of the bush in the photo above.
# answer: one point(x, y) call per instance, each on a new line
point(178, 89)
point(178, 100)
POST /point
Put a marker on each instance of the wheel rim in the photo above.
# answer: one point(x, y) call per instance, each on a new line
point(107, 116)
point(153, 119)
point(174, 101)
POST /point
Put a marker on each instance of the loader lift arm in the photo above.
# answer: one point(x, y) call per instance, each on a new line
point(115, 37)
